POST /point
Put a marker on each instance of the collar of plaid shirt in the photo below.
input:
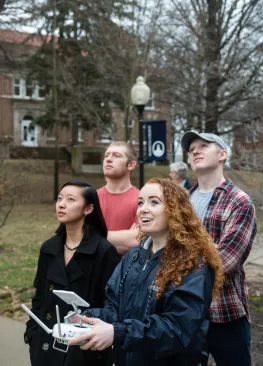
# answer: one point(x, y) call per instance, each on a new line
point(231, 222)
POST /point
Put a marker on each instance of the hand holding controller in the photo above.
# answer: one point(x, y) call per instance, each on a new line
point(65, 332)
point(70, 331)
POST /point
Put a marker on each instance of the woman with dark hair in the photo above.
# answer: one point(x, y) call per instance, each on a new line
point(158, 298)
point(78, 258)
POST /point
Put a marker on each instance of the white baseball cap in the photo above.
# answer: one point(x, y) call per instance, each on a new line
point(190, 136)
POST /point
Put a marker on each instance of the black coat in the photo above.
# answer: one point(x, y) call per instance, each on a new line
point(86, 274)
point(188, 184)
point(150, 332)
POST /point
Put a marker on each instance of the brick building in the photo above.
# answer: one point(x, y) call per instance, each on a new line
point(21, 101)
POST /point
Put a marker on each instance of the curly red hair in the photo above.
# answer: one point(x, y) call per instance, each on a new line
point(187, 242)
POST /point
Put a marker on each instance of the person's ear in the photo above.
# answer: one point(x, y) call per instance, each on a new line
point(132, 165)
point(222, 155)
point(89, 209)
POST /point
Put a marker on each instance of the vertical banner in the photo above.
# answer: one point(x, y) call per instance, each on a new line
point(155, 136)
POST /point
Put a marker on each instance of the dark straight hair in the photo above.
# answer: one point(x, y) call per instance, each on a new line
point(95, 219)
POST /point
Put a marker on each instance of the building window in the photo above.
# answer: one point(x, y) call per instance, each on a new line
point(18, 87)
point(130, 124)
point(107, 135)
point(249, 133)
point(248, 137)
point(105, 138)
point(252, 132)
point(50, 135)
point(151, 104)
point(40, 91)
point(28, 89)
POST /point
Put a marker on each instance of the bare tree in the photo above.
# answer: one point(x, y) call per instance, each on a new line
point(205, 56)
point(214, 56)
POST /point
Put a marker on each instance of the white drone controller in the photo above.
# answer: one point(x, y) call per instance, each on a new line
point(65, 332)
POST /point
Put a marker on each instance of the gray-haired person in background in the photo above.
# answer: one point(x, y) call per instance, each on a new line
point(178, 173)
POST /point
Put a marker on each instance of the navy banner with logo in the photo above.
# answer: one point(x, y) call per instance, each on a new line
point(155, 136)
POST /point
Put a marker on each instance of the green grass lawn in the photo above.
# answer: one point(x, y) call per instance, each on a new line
point(21, 237)
point(33, 220)
point(25, 230)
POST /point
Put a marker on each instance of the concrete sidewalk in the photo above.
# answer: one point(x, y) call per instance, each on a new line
point(13, 350)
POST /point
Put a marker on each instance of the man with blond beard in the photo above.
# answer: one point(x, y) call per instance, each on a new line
point(118, 198)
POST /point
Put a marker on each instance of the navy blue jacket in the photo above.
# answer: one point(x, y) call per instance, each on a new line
point(164, 332)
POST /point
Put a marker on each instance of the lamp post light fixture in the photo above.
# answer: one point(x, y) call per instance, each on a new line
point(140, 96)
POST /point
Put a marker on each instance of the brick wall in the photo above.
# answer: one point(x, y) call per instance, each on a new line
point(6, 108)
point(5, 85)
point(247, 152)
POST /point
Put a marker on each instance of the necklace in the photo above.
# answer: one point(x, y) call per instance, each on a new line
point(71, 248)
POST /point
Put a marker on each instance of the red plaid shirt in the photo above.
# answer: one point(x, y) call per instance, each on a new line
point(230, 219)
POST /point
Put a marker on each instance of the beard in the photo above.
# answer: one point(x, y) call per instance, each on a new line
point(113, 174)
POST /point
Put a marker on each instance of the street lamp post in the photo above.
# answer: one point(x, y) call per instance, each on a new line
point(140, 95)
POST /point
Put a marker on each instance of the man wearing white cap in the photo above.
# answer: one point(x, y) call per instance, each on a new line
point(228, 214)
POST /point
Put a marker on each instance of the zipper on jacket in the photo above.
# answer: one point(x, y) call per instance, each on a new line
point(147, 260)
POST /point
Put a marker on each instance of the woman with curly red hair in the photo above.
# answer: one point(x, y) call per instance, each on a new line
point(159, 295)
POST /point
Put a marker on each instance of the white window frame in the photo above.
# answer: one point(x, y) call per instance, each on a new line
point(26, 85)
point(107, 136)
point(247, 138)
point(130, 124)
point(49, 134)
point(37, 89)
point(18, 85)
point(23, 87)
point(104, 140)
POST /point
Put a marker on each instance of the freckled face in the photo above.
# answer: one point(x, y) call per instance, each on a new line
point(151, 214)
point(71, 206)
